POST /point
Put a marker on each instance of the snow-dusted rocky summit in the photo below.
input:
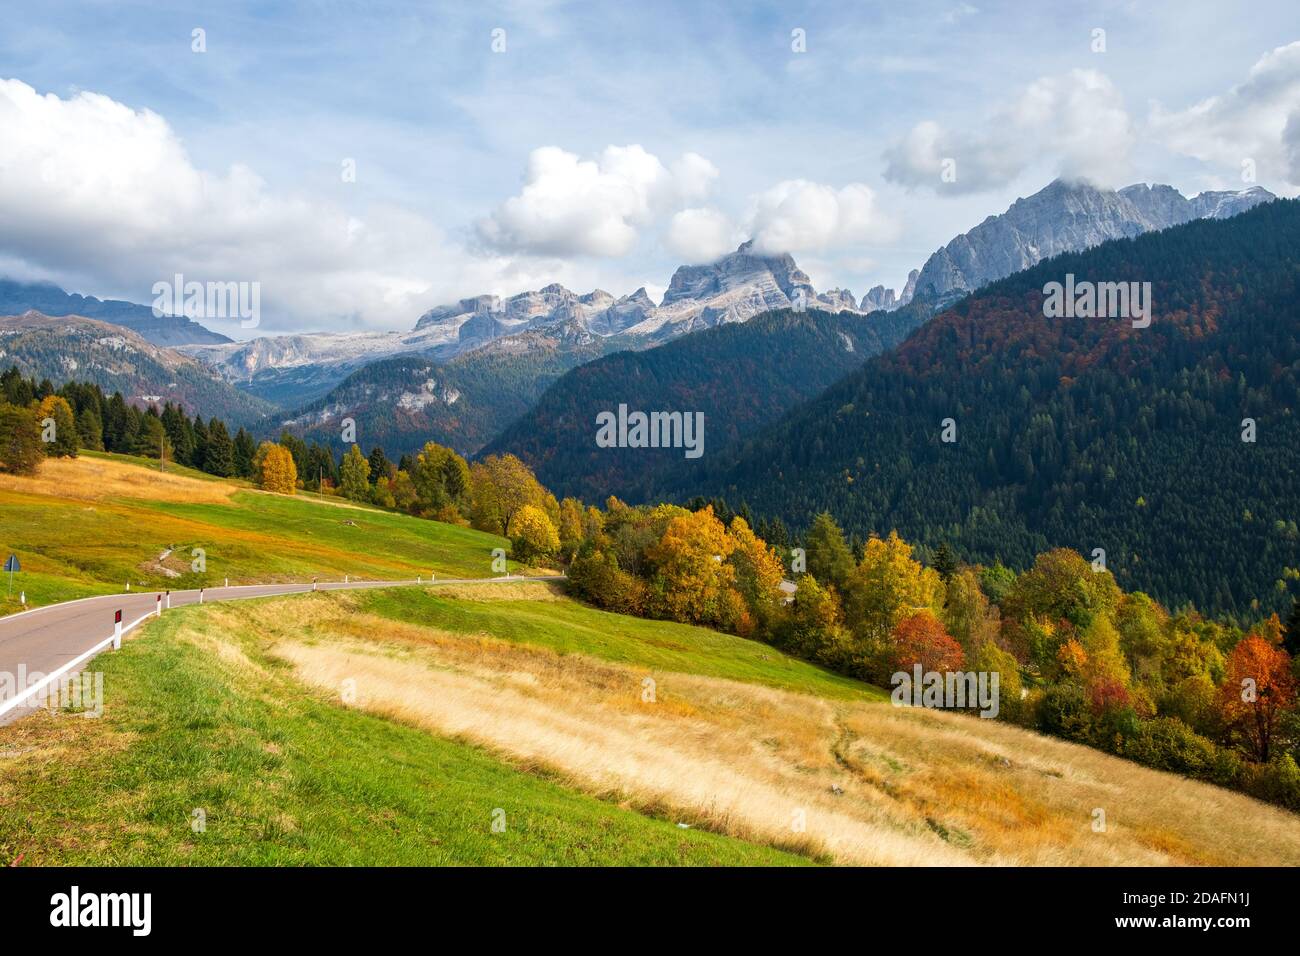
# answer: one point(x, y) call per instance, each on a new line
point(1066, 217)
point(737, 287)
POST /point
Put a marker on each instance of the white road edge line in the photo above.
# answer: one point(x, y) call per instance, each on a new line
point(44, 682)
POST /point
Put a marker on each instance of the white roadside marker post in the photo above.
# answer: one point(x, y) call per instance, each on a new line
point(117, 631)
point(200, 595)
point(158, 607)
point(169, 600)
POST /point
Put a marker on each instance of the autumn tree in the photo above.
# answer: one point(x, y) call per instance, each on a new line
point(58, 427)
point(571, 526)
point(275, 470)
point(815, 628)
point(1258, 690)
point(499, 486)
point(532, 535)
point(442, 480)
point(692, 575)
point(919, 638)
point(354, 475)
point(759, 571)
point(886, 586)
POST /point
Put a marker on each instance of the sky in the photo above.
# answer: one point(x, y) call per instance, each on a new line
point(363, 162)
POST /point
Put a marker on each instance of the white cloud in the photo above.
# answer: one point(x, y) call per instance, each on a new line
point(701, 235)
point(572, 206)
point(1077, 122)
point(93, 190)
point(1258, 120)
point(801, 216)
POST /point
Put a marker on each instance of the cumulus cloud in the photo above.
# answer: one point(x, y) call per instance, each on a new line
point(1077, 121)
point(802, 216)
point(97, 191)
point(701, 235)
point(1256, 123)
point(574, 206)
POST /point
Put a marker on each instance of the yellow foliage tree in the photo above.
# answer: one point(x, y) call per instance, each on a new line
point(692, 573)
point(532, 534)
point(58, 427)
point(759, 571)
point(275, 469)
point(499, 486)
point(887, 586)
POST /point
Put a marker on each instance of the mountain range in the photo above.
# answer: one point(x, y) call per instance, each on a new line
point(168, 330)
point(1065, 217)
point(1004, 432)
point(524, 343)
point(73, 348)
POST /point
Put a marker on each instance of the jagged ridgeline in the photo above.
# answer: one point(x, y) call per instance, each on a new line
point(1086, 433)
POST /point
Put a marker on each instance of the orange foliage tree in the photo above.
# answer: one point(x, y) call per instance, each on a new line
point(1257, 690)
point(920, 639)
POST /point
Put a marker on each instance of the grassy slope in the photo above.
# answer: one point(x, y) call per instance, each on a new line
point(568, 627)
point(285, 777)
point(76, 536)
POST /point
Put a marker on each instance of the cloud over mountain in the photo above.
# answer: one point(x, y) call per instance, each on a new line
point(574, 206)
point(1076, 121)
point(1256, 122)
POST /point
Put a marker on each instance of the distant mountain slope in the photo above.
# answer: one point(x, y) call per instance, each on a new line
point(1080, 432)
point(292, 370)
point(73, 348)
point(1065, 217)
point(402, 402)
point(19, 297)
point(740, 376)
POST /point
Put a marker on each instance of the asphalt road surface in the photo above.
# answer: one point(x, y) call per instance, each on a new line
point(42, 640)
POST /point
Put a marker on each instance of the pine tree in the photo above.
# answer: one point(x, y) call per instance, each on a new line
point(380, 466)
point(944, 562)
point(829, 559)
point(1291, 633)
point(245, 449)
point(219, 459)
point(90, 430)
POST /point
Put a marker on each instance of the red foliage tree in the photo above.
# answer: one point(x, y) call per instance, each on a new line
point(921, 639)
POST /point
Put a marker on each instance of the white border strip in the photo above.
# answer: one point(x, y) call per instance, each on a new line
point(48, 679)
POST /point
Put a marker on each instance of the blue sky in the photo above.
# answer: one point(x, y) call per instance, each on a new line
point(226, 164)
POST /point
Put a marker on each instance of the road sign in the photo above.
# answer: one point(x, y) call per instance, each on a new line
point(12, 565)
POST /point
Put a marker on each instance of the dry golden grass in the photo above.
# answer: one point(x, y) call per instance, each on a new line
point(94, 479)
point(874, 784)
point(520, 591)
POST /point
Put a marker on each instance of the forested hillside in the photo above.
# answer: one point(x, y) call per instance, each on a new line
point(73, 348)
point(1077, 432)
point(401, 403)
point(739, 375)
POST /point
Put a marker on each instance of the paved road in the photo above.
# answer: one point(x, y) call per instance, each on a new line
point(47, 638)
